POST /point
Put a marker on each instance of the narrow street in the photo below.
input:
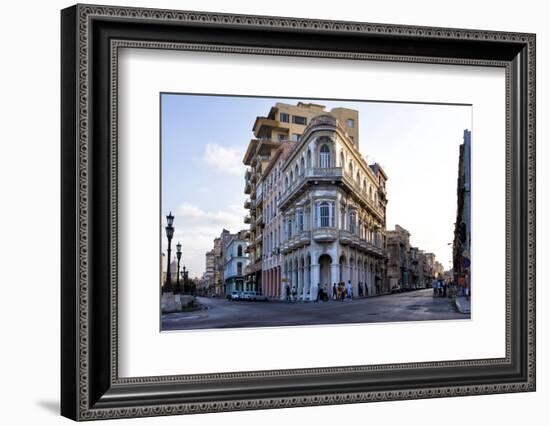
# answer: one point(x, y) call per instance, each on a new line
point(220, 313)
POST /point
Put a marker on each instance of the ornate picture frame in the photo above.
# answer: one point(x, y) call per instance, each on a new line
point(91, 387)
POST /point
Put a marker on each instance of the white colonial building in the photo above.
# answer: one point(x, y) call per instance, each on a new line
point(334, 209)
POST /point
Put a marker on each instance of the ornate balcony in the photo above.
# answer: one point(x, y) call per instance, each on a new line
point(325, 235)
point(304, 238)
point(247, 219)
point(247, 203)
point(345, 237)
point(311, 176)
point(247, 187)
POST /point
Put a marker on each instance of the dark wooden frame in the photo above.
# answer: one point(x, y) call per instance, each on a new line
point(90, 386)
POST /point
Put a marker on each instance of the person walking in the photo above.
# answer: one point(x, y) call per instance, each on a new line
point(334, 292)
point(350, 290)
point(360, 289)
point(434, 287)
point(342, 292)
point(287, 289)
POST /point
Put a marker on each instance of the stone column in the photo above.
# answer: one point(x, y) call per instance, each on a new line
point(315, 280)
point(282, 283)
point(300, 281)
point(334, 277)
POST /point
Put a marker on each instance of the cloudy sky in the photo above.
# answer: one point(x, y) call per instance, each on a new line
point(204, 139)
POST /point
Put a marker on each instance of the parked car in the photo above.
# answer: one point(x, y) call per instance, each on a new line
point(234, 295)
point(253, 296)
point(395, 289)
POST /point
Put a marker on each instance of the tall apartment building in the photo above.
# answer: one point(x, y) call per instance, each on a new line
point(284, 122)
point(334, 207)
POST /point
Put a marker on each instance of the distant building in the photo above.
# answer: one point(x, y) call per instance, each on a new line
point(398, 246)
point(209, 273)
point(409, 267)
point(236, 261)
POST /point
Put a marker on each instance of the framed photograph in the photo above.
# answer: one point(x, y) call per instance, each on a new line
point(263, 212)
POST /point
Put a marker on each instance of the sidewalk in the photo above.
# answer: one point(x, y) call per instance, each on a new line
point(462, 305)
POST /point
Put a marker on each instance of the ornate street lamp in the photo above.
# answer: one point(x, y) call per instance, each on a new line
point(169, 234)
point(178, 254)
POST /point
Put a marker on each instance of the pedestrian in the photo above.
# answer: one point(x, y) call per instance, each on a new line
point(334, 291)
point(360, 289)
point(287, 292)
point(342, 292)
point(444, 288)
point(350, 290)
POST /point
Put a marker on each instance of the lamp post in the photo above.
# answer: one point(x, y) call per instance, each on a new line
point(178, 254)
point(169, 234)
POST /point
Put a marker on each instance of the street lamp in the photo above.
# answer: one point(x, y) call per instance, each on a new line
point(169, 234)
point(178, 254)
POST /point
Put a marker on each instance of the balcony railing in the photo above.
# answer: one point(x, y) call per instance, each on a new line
point(247, 219)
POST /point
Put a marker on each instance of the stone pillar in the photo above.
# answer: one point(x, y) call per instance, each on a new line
point(315, 280)
point(334, 277)
point(282, 283)
point(300, 287)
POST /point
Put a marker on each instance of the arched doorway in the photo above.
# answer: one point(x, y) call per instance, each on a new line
point(343, 268)
point(324, 264)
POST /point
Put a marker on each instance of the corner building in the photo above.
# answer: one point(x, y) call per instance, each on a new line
point(333, 206)
point(284, 124)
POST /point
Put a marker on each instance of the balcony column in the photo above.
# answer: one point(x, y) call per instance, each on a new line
point(307, 281)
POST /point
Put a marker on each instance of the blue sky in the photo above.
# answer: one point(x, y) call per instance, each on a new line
point(204, 139)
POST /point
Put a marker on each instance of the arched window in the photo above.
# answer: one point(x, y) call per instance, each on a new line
point(352, 221)
point(286, 182)
point(308, 159)
point(324, 157)
point(350, 168)
point(370, 192)
point(365, 185)
point(342, 161)
point(302, 166)
point(239, 268)
point(358, 179)
point(300, 220)
point(239, 250)
point(289, 228)
point(291, 178)
point(325, 214)
point(296, 171)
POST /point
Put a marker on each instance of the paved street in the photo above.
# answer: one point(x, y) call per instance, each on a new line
point(412, 306)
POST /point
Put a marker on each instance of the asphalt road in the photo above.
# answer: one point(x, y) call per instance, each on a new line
point(220, 313)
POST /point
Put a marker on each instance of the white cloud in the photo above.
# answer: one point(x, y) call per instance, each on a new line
point(196, 229)
point(223, 159)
